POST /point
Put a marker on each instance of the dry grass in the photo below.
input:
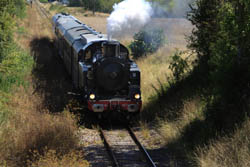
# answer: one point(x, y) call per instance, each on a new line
point(144, 130)
point(172, 130)
point(154, 68)
point(231, 151)
point(30, 135)
point(27, 129)
point(51, 159)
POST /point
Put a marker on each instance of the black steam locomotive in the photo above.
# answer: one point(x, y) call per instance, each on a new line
point(100, 68)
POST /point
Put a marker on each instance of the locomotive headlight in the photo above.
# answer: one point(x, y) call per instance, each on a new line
point(92, 96)
point(137, 96)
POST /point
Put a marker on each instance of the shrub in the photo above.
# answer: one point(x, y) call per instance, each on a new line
point(74, 3)
point(58, 8)
point(44, 1)
point(20, 8)
point(74, 158)
point(147, 41)
point(178, 65)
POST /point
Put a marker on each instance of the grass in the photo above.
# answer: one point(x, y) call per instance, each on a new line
point(27, 131)
point(154, 68)
point(172, 130)
point(14, 68)
point(188, 124)
point(58, 8)
point(43, 1)
point(23, 127)
point(29, 134)
point(228, 151)
point(50, 159)
point(21, 30)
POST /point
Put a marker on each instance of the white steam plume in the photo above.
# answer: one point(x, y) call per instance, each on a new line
point(128, 15)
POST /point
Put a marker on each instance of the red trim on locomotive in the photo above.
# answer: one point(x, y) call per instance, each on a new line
point(112, 105)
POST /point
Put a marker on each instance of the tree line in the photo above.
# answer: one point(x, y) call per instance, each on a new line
point(222, 45)
point(165, 6)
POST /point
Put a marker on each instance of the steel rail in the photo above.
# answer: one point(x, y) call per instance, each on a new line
point(107, 145)
point(42, 10)
point(143, 150)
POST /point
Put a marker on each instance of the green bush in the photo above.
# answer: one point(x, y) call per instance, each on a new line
point(44, 1)
point(58, 8)
point(14, 67)
point(147, 41)
point(178, 65)
point(20, 8)
point(14, 62)
point(107, 6)
point(75, 3)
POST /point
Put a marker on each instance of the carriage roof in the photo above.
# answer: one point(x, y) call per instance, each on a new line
point(77, 34)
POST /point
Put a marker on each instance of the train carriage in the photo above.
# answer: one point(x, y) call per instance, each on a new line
point(100, 68)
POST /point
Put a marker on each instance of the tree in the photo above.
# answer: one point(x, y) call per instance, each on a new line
point(93, 5)
point(221, 42)
point(75, 3)
point(147, 41)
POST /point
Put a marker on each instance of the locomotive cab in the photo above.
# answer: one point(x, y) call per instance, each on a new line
point(111, 76)
point(104, 49)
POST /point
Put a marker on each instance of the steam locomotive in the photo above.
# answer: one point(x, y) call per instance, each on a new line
point(100, 68)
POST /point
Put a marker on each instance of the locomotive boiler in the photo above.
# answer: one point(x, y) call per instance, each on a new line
point(100, 68)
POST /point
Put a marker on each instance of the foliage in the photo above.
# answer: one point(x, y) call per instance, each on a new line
point(163, 7)
point(20, 8)
point(93, 5)
point(43, 1)
point(24, 129)
point(6, 33)
point(230, 151)
point(107, 6)
point(14, 67)
point(147, 41)
point(8, 9)
point(74, 3)
point(220, 78)
point(178, 65)
point(99, 5)
point(221, 43)
point(58, 8)
point(74, 158)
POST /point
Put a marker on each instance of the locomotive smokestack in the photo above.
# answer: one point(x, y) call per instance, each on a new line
point(128, 15)
point(109, 37)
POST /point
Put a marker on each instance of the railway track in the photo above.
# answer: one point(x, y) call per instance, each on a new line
point(125, 150)
point(42, 11)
